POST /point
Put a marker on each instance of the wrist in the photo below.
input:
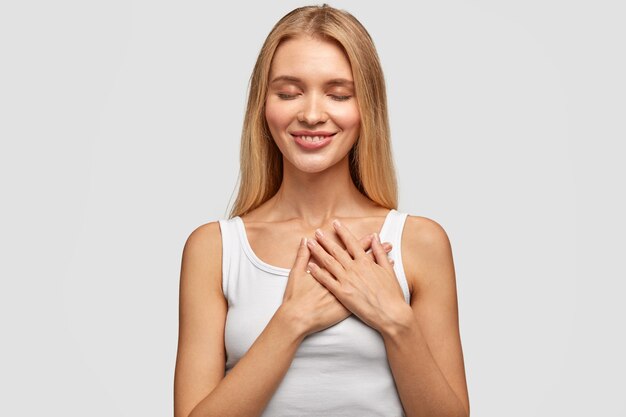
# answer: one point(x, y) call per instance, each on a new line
point(291, 320)
point(400, 322)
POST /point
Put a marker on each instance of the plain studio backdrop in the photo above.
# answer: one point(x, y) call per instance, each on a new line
point(120, 124)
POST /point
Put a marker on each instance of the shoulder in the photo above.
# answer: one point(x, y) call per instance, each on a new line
point(202, 253)
point(425, 249)
point(204, 237)
point(424, 233)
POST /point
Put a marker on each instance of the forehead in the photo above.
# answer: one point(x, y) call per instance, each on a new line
point(310, 59)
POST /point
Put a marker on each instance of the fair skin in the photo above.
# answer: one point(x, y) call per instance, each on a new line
point(421, 339)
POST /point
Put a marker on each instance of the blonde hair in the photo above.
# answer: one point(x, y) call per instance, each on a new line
point(371, 164)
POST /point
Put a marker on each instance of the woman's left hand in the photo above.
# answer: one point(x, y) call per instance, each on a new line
point(369, 289)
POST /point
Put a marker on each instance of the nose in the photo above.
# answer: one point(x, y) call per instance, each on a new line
point(313, 111)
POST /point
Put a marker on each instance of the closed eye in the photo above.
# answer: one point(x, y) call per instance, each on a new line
point(341, 98)
point(291, 97)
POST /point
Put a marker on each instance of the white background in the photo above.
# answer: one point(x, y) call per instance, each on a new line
point(120, 124)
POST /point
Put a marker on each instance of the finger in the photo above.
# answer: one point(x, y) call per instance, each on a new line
point(387, 246)
point(302, 257)
point(324, 259)
point(333, 249)
point(325, 278)
point(299, 265)
point(355, 250)
point(366, 242)
point(379, 253)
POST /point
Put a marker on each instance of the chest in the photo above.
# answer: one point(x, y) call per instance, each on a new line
point(278, 244)
point(351, 343)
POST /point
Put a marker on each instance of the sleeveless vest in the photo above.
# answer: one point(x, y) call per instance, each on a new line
point(339, 371)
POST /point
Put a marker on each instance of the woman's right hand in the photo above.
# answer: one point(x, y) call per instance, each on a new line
point(307, 301)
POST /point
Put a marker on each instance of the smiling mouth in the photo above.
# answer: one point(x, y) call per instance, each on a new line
point(312, 137)
point(313, 142)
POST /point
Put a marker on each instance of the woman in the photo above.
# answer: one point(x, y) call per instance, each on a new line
point(284, 312)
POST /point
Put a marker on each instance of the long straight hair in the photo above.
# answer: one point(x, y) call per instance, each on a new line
point(371, 164)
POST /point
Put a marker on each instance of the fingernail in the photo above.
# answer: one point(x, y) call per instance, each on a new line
point(310, 243)
point(311, 265)
point(318, 233)
point(336, 224)
point(376, 237)
point(303, 241)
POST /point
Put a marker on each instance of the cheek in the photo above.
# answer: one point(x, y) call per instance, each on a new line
point(348, 118)
point(278, 116)
point(272, 114)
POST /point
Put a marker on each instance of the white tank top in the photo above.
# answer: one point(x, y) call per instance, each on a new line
point(340, 371)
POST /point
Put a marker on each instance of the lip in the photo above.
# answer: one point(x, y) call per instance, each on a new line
point(313, 145)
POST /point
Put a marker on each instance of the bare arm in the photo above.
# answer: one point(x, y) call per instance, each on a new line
point(249, 386)
point(425, 352)
point(200, 387)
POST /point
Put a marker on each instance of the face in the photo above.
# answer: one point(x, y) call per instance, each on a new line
point(311, 108)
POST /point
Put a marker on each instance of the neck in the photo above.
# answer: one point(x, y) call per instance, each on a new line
point(317, 198)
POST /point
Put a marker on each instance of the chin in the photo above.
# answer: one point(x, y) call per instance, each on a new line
point(313, 166)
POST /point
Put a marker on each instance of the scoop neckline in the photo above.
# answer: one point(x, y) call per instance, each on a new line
point(277, 270)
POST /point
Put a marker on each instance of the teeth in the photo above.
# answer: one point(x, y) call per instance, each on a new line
point(312, 138)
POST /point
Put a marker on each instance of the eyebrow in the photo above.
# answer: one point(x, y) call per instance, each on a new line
point(334, 81)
